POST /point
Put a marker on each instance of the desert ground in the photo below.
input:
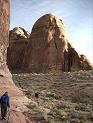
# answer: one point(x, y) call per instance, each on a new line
point(63, 98)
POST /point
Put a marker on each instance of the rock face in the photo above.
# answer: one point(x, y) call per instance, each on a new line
point(46, 49)
point(17, 46)
point(6, 83)
point(85, 63)
point(4, 31)
point(49, 49)
point(48, 41)
point(74, 62)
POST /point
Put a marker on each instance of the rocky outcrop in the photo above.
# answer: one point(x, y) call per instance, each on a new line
point(74, 62)
point(4, 31)
point(49, 49)
point(17, 46)
point(6, 83)
point(85, 64)
point(48, 42)
point(46, 49)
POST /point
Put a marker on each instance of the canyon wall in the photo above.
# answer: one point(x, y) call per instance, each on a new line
point(4, 34)
point(6, 83)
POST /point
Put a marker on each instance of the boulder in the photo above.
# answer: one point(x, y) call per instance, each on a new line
point(17, 46)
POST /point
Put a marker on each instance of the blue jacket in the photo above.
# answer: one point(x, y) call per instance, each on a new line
point(5, 100)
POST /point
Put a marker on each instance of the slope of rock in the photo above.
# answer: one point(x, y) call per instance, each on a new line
point(17, 46)
point(5, 76)
point(6, 83)
point(4, 31)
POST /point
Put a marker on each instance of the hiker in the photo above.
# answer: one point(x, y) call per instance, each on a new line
point(4, 104)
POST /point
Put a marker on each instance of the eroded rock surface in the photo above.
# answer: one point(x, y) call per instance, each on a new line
point(49, 49)
point(48, 41)
point(46, 49)
point(4, 31)
point(5, 76)
point(17, 46)
point(74, 61)
point(6, 83)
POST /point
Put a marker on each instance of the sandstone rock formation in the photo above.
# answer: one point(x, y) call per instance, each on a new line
point(48, 42)
point(74, 62)
point(5, 76)
point(46, 49)
point(17, 46)
point(49, 49)
point(4, 31)
point(6, 83)
point(85, 63)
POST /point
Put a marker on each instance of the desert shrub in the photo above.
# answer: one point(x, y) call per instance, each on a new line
point(80, 107)
point(36, 115)
point(31, 106)
point(74, 121)
point(52, 95)
point(65, 105)
point(90, 116)
point(82, 99)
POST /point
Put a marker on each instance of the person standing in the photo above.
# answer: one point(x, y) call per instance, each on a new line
point(4, 104)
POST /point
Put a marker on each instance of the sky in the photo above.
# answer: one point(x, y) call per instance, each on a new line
point(77, 16)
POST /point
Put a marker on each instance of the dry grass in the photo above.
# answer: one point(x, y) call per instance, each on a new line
point(63, 98)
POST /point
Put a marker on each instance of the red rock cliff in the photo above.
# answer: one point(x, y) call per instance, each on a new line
point(4, 32)
point(47, 50)
point(46, 47)
point(6, 83)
